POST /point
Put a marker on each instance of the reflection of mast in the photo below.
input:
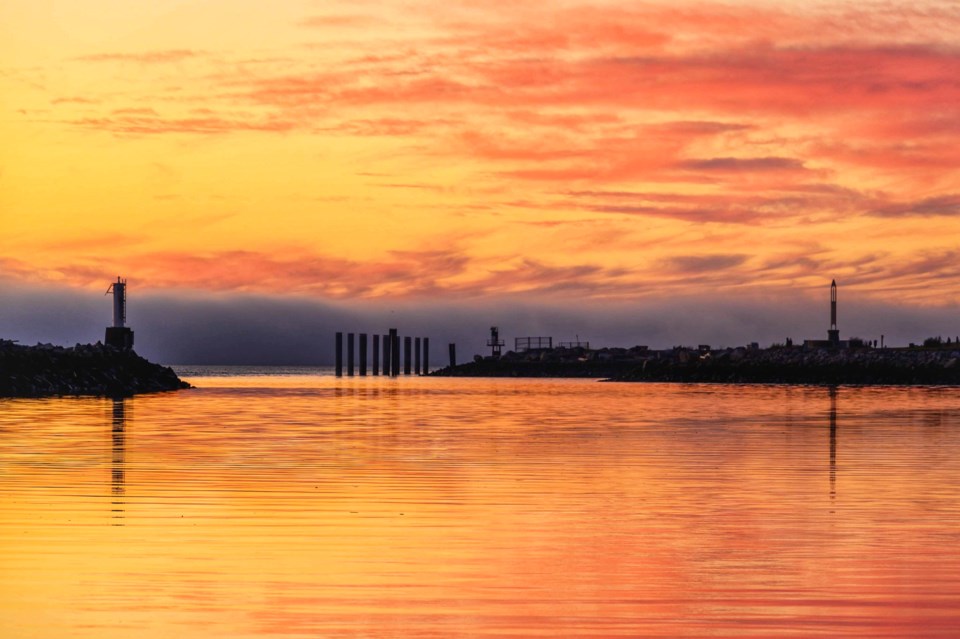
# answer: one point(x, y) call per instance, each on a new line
point(117, 478)
point(833, 442)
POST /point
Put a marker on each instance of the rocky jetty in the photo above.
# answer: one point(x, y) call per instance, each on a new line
point(797, 365)
point(46, 370)
point(775, 365)
point(554, 362)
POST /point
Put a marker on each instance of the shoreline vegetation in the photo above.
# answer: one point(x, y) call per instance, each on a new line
point(45, 370)
point(741, 365)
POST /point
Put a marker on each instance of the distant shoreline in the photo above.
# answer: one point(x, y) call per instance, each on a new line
point(775, 365)
point(45, 370)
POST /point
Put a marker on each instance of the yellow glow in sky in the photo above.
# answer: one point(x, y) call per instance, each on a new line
point(377, 150)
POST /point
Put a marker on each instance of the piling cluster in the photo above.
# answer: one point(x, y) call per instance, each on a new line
point(416, 354)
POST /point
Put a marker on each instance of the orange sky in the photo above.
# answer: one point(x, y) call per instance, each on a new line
point(599, 150)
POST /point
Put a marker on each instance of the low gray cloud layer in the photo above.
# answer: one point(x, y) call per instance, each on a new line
point(197, 328)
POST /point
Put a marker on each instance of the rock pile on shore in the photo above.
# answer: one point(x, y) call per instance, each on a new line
point(555, 362)
point(775, 365)
point(797, 365)
point(44, 370)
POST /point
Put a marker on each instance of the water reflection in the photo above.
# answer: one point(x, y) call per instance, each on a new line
point(446, 507)
point(117, 470)
point(833, 442)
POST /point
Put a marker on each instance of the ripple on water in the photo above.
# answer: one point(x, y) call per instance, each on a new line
point(305, 505)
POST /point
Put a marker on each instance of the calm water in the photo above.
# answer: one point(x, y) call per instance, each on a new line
point(306, 506)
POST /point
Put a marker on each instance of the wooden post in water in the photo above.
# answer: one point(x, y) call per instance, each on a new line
point(416, 356)
point(350, 354)
point(376, 354)
point(394, 353)
point(386, 354)
point(453, 355)
point(426, 355)
point(406, 355)
point(363, 354)
point(339, 354)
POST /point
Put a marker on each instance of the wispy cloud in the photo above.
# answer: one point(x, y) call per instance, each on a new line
point(149, 122)
point(145, 57)
point(942, 205)
point(632, 143)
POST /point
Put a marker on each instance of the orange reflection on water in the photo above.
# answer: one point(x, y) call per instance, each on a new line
point(311, 506)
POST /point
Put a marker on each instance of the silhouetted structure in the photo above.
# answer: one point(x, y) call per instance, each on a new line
point(338, 348)
point(833, 335)
point(394, 353)
point(416, 356)
point(407, 347)
point(363, 354)
point(453, 355)
point(350, 354)
point(119, 335)
point(523, 344)
point(376, 354)
point(426, 355)
point(495, 343)
point(386, 355)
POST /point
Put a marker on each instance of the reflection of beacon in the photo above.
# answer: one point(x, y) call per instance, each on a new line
point(833, 334)
point(119, 335)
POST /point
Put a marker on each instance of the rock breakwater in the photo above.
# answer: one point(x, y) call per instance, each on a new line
point(45, 370)
point(775, 365)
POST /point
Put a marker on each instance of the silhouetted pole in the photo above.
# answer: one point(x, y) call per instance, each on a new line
point(426, 355)
point(386, 354)
point(363, 354)
point(833, 334)
point(350, 354)
point(407, 343)
point(416, 356)
point(376, 354)
point(394, 353)
point(833, 304)
point(453, 355)
point(339, 354)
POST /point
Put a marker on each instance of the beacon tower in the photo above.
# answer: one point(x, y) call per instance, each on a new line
point(119, 335)
point(833, 335)
point(495, 343)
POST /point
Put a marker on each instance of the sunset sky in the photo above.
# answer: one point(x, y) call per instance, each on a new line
point(579, 155)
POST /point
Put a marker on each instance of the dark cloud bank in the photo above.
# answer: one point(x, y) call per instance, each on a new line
point(199, 328)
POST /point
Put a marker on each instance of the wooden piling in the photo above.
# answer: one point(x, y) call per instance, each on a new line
point(394, 353)
point(387, 349)
point(453, 355)
point(338, 348)
point(416, 355)
point(363, 354)
point(376, 354)
point(407, 347)
point(350, 354)
point(426, 355)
